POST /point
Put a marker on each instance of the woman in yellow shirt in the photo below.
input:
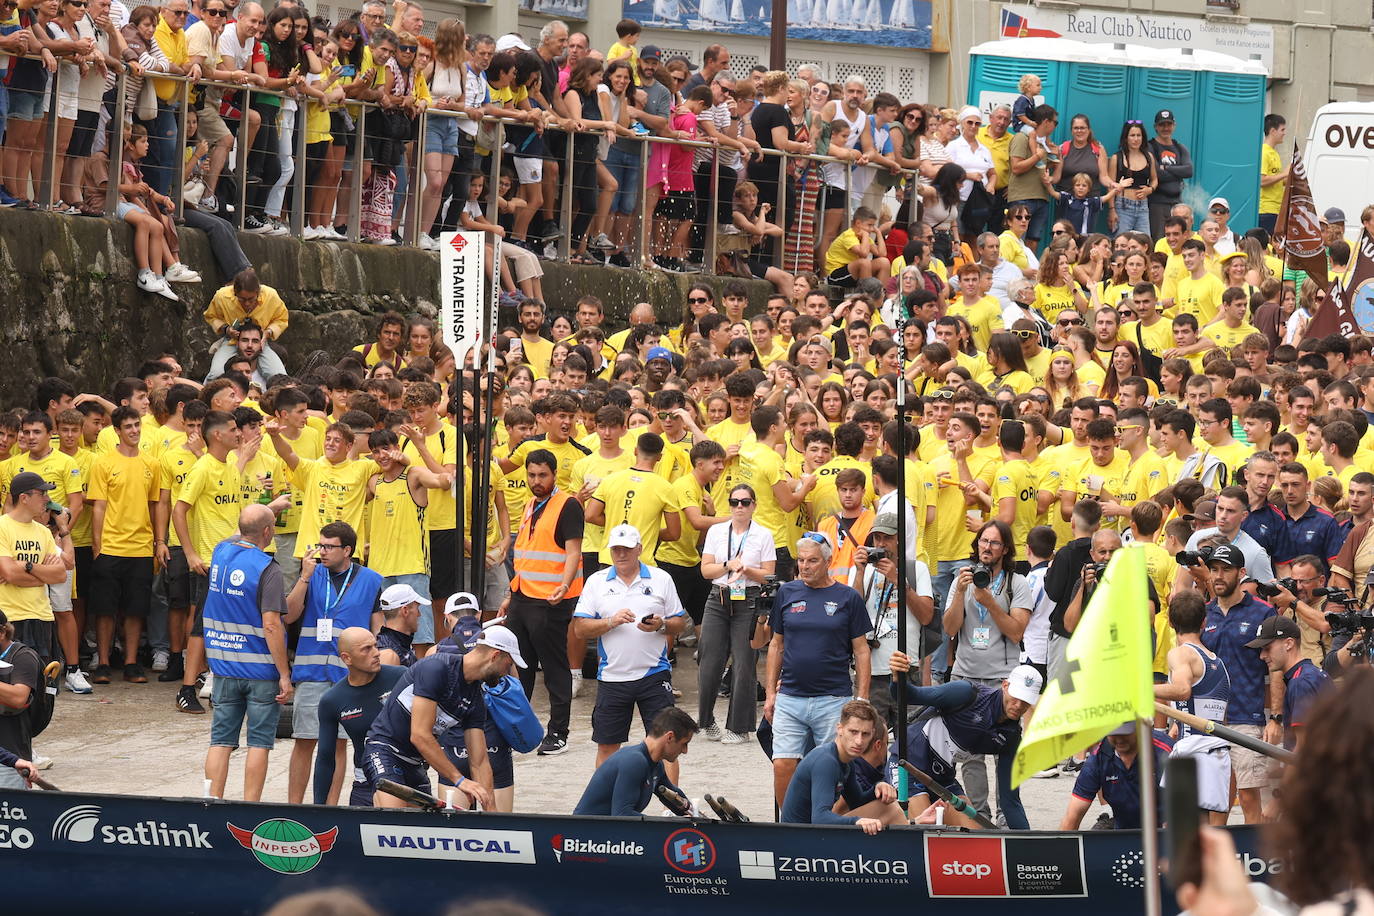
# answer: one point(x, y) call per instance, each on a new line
point(1173, 377)
point(1012, 241)
point(1008, 363)
point(1063, 384)
point(1134, 270)
point(1055, 289)
point(834, 398)
point(1126, 362)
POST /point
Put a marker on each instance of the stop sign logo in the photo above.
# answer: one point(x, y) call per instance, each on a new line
point(965, 867)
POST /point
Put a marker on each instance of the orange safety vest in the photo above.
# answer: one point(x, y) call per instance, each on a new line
point(538, 558)
point(842, 560)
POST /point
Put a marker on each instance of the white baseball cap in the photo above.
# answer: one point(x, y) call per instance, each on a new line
point(624, 535)
point(1025, 683)
point(502, 638)
point(400, 595)
point(459, 604)
point(511, 40)
point(1215, 201)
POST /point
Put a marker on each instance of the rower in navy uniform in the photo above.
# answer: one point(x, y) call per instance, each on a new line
point(967, 719)
point(629, 779)
point(353, 704)
point(1113, 769)
point(400, 619)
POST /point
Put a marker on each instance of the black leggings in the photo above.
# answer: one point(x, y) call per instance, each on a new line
point(583, 185)
point(725, 203)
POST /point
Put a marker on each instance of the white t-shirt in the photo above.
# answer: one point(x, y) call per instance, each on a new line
point(1036, 640)
point(754, 548)
point(476, 94)
point(888, 503)
point(628, 653)
point(240, 55)
point(880, 597)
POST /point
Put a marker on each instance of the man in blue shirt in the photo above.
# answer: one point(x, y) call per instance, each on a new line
point(1111, 768)
point(818, 627)
point(440, 692)
point(821, 778)
point(353, 704)
point(1279, 640)
point(1233, 618)
point(968, 719)
point(1307, 528)
point(624, 785)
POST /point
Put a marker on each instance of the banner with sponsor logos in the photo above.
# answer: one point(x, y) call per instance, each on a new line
point(138, 854)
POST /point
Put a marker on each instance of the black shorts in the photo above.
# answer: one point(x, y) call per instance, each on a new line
point(840, 276)
point(120, 585)
point(83, 582)
point(556, 144)
point(498, 755)
point(676, 205)
point(40, 636)
point(616, 702)
point(343, 134)
point(178, 577)
point(200, 588)
point(83, 134)
point(835, 198)
point(381, 762)
point(443, 562)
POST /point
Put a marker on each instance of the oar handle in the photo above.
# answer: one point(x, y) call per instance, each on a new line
point(954, 801)
point(1217, 730)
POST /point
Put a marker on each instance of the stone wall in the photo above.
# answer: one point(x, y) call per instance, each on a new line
point(71, 308)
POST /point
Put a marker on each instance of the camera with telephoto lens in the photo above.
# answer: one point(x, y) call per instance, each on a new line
point(875, 554)
point(1193, 557)
point(768, 590)
point(982, 576)
point(1271, 589)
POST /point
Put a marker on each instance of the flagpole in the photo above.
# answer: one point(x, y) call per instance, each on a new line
point(1149, 817)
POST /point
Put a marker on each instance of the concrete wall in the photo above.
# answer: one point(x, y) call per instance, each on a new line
point(71, 307)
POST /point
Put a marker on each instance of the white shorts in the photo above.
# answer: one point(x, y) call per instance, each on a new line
point(1213, 770)
point(60, 595)
point(527, 170)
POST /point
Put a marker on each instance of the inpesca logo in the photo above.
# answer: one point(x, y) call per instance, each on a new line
point(689, 851)
point(287, 847)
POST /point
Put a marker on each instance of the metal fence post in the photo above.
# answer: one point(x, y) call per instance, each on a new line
point(299, 188)
point(494, 179)
point(355, 191)
point(241, 165)
point(642, 227)
point(416, 183)
point(780, 211)
point(47, 194)
point(708, 259)
point(848, 194)
point(115, 145)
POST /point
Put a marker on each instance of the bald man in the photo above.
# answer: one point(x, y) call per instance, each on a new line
point(352, 703)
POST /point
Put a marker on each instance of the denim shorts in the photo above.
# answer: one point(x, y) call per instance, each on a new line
point(27, 105)
point(624, 168)
point(305, 710)
point(123, 208)
point(801, 723)
point(441, 135)
point(420, 582)
point(237, 697)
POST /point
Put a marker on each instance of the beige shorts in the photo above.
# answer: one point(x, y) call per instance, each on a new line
point(1251, 768)
point(212, 127)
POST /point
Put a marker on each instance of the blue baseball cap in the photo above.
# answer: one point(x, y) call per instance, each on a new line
point(660, 353)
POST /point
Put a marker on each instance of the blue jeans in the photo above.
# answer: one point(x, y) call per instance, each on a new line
point(1132, 216)
point(624, 168)
point(802, 723)
point(237, 697)
point(946, 572)
point(162, 160)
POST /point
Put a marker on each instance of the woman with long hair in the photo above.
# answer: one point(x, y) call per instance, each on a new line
point(1125, 363)
point(280, 68)
point(1055, 288)
point(1012, 241)
point(1082, 154)
point(1133, 160)
point(584, 103)
point(832, 400)
point(741, 352)
point(1256, 265)
point(408, 93)
point(324, 187)
point(1235, 270)
point(426, 342)
point(1093, 266)
point(701, 301)
point(1309, 298)
point(941, 212)
point(447, 86)
point(1133, 270)
point(1008, 362)
point(1062, 382)
point(619, 148)
point(1173, 378)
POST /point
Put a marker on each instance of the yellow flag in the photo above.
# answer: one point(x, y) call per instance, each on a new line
point(1107, 675)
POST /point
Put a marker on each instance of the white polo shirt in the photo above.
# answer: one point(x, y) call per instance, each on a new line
point(626, 652)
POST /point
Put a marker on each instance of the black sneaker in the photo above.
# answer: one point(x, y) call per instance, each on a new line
point(133, 673)
point(553, 745)
point(188, 702)
point(176, 670)
point(101, 674)
point(619, 259)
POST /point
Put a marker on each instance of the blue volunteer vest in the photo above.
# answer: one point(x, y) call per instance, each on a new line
point(316, 659)
point(235, 642)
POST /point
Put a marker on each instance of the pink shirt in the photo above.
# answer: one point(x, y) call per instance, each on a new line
point(677, 174)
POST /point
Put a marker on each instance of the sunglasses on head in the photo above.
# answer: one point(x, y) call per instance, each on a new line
point(816, 537)
point(742, 501)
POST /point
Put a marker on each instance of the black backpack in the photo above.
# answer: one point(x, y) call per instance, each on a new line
point(43, 699)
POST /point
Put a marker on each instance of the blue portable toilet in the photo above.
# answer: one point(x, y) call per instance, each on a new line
point(996, 67)
point(1229, 114)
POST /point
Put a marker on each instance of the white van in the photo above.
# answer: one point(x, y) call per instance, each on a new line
point(1339, 154)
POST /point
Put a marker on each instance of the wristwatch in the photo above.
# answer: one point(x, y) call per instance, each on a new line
point(28, 566)
point(1276, 717)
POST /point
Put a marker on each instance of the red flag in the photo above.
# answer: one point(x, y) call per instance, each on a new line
point(1298, 226)
point(1351, 298)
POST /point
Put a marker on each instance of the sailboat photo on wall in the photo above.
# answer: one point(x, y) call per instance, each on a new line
point(890, 23)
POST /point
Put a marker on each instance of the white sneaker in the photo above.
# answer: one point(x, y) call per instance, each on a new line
point(180, 273)
point(161, 657)
point(427, 243)
point(387, 241)
point(712, 733)
point(76, 681)
point(577, 682)
point(150, 282)
point(166, 292)
point(310, 233)
point(279, 228)
point(209, 686)
point(332, 234)
point(734, 738)
point(602, 241)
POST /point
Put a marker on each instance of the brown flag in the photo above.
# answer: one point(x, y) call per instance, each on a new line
point(1298, 226)
point(1350, 304)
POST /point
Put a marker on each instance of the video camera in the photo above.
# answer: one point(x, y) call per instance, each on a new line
point(1193, 557)
point(768, 590)
point(1271, 589)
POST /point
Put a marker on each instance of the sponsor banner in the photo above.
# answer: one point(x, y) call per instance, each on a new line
point(465, 845)
point(259, 853)
point(462, 257)
point(1024, 20)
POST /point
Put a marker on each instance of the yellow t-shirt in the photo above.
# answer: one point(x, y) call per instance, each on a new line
point(839, 254)
point(397, 543)
point(1271, 197)
point(597, 468)
point(174, 466)
point(127, 486)
point(1233, 456)
point(952, 540)
point(824, 498)
point(538, 355)
point(310, 444)
point(443, 445)
point(1061, 464)
point(1052, 300)
point(1017, 480)
point(25, 542)
point(984, 316)
point(686, 550)
point(1198, 297)
point(56, 468)
point(1147, 476)
point(637, 498)
point(619, 50)
point(761, 468)
point(568, 454)
point(1113, 481)
point(1158, 337)
point(214, 492)
point(330, 493)
point(727, 432)
point(81, 530)
point(256, 474)
point(1228, 337)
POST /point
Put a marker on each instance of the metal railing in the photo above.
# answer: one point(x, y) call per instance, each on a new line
point(638, 241)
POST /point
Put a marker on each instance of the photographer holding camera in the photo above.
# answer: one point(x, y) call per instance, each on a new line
point(1308, 584)
point(1104, 544)
point(877, 582)
point(987, 611)
point(1233, 506)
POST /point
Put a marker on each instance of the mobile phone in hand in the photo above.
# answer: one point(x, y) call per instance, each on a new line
point(1182, 844)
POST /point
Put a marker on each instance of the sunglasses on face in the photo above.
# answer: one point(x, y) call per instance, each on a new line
point(737, 503)
point(1059, 232)
point(216, 13)
point(697, 300)
point(407, 49)
point(1070, 322)
point(1024, 334)
point(1020, 216)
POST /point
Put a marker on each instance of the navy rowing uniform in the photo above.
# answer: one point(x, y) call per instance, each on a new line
point(354, 709)
point(624, 785)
